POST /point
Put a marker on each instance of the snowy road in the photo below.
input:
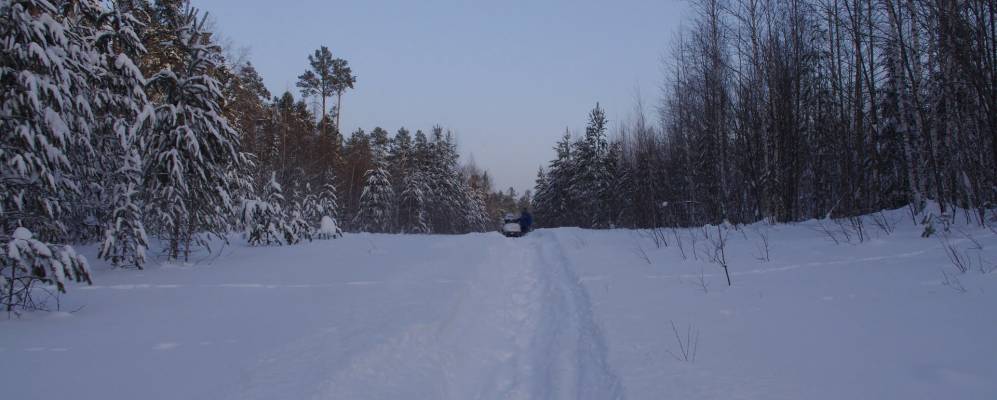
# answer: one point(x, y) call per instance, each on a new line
point(460, 317)
point(521, 327)
point(559, 314)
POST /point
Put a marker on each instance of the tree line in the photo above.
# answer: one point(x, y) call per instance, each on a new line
point(123, 120)
point(794, 109)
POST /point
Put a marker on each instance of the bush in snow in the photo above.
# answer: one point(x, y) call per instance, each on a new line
point(26, 262)
point(265, 221)
point(301, 227)
point(318, 213)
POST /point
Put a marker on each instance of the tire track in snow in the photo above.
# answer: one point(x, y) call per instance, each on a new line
point(573, 339)
point(522, 328)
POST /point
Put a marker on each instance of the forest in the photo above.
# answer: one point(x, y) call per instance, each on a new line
point(127, 122)
point(124, 122)
point(786, 110)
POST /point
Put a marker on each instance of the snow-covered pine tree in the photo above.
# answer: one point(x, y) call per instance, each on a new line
point(327, 211)
point(555, 206)
point(377, 199)
point(308, 202)
point(86, 207)
point(26, 261)
point(447, 213)
point(125, 241)
point(301, 228)
point(124, 117)
point(592, 180)
point(400, 166)
point(193, 149)
point(476, 214)
point(44, 113)
point(296, 208)
point(412, 214)
point(328, 201)
point(45, 117)
point(265, 221)
point(541, 200)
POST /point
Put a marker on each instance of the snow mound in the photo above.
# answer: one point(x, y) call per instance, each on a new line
point(22, 233)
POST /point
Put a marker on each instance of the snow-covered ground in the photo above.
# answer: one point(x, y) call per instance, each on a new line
point(558, 314)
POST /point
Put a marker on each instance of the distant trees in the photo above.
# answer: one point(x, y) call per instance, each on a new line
point(796, 109)
point(578, 189)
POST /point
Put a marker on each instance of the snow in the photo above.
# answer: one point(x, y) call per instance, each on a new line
point(558, 314)
point(328, 228)
point(22, 233)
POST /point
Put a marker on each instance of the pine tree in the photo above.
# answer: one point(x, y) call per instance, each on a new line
point(247, 106)
point(125, 241)
point(412, 213)
point(541, 202)
point(160, 35)
point(26, 261)
point(326, 77)
point(357, 154)
point(476, 214)
point(192, 148)
point(556, 205)
point(125, 117)
point(46, 118)
point(446, 191)
point(400, 164)
point(301, 227)
point(45, 114)
point(265, 220)
point(377, 200)
point(327, 211)
point(591, 182)
point(328, 201)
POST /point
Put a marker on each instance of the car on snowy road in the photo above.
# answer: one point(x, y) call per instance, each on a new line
point(510, 226)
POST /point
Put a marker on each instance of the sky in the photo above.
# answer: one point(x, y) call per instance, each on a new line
point(507, 77)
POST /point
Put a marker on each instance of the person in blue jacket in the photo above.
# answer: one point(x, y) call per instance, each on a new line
point(525, 221)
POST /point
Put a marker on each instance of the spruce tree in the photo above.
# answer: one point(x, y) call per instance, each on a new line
point(192, 148)
point(327, 212)
point(265, 220)
point(556, 205)
point(376, 208)
point(591, 181)
point(45, 116)
point(541, 202)
point(412, 213)
point(447, 198)
point(125, 117)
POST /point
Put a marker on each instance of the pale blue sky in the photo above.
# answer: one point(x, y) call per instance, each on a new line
point(506, 76)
